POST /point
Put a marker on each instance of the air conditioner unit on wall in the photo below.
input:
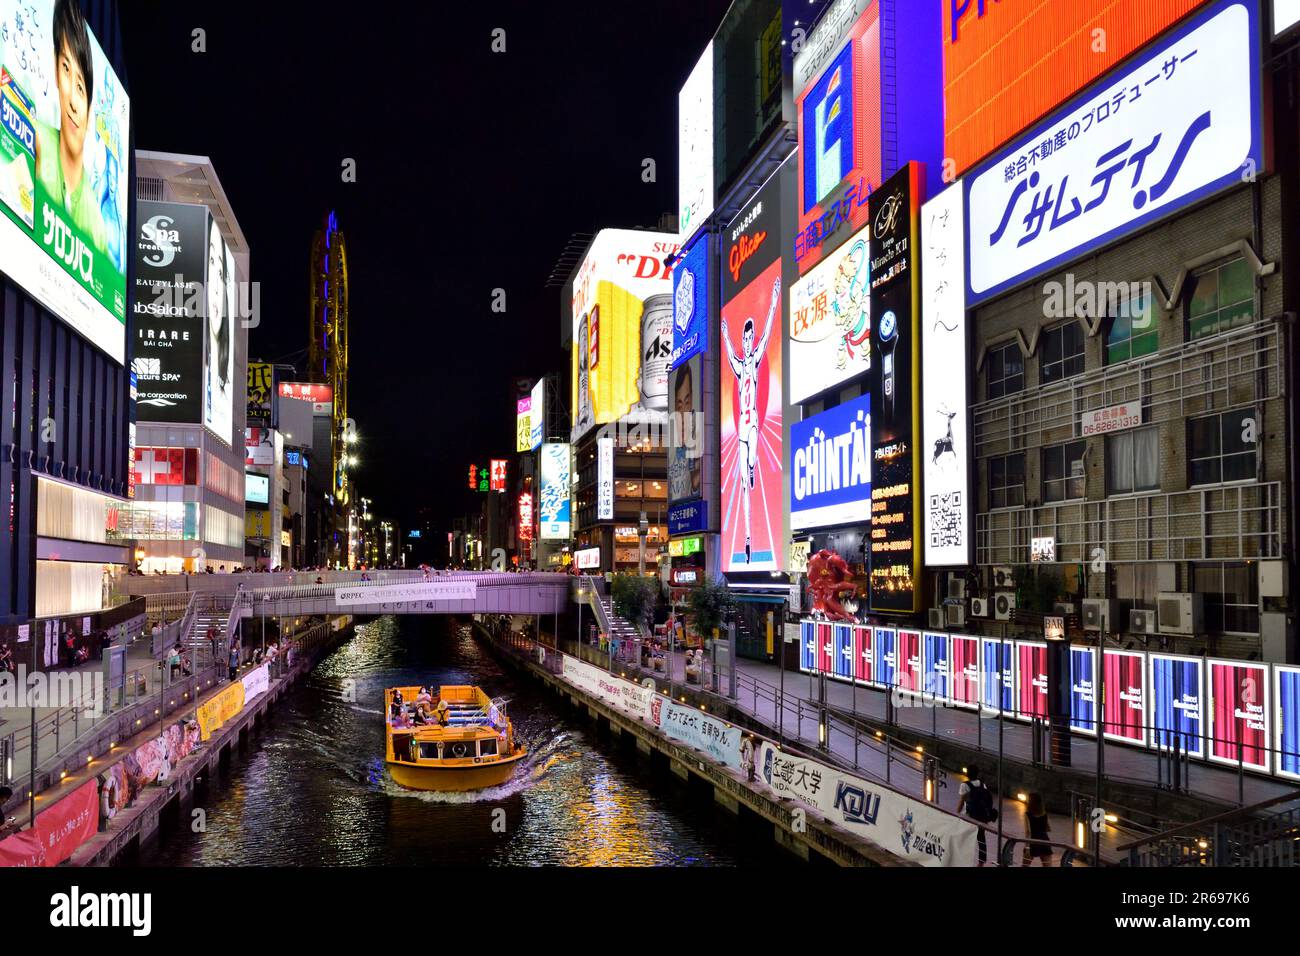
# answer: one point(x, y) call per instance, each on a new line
point(956, 615)
point(936, 618)
point(1004, 602)
point(956, 588)
point(1002, 578)
point(1100, 614)
point(1180, 612)
point(1064, 608)
point(979, 607)
point(1142, 620)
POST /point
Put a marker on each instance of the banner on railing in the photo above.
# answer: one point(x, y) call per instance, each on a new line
point(404, 593)
point(909, 829)
point(215, 711)
point(628, 697)
point(257, 681)
point(154, 759)
point(695, 728)
point(58, 832)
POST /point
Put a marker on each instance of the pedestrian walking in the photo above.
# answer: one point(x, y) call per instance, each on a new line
point(977, 801)
point(1037, 828)
point(234, 660)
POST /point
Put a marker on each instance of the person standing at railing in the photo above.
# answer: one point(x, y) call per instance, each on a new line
point(234, 659)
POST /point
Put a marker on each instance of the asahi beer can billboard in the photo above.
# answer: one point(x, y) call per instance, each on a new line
point(656, 350)
point(622, 320)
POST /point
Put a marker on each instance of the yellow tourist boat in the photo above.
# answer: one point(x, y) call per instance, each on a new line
point(466, 742)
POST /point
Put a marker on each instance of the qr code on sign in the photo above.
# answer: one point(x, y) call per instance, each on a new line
point(946, 529)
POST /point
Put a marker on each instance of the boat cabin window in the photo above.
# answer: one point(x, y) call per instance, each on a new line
point(487, 747)
point(429, 750)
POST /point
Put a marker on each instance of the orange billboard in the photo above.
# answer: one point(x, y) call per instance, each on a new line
point(1007, 63)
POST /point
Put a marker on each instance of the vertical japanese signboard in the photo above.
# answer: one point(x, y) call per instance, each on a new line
point(943, 376)
point(554, 506)
point(895, 306)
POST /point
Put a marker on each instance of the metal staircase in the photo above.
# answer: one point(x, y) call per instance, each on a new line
point(1266, 834)
point(609, 622)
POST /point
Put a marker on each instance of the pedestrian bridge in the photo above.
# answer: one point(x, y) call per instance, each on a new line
point(451, 592)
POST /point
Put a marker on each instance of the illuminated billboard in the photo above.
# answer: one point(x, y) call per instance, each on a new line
point(1008, 63)
point(554, 507)
point(830, 476)
point(524, 424)
point(257, 488)
point(537, 416)
point(943, 379)
point(1181, 121)
point(751, 425)
point(895, 388)
point(259, 446)
point(167, 360)
point(622, 329)
point(261, 395)
point(686, 456)
point(830, 320)
point(837, 101)
point(695, 146)
point(219, 344)
point(691, 301)
point(868, 91)
point(497, 478)
point(64, 167)
point(526, 516)
point(320, 396)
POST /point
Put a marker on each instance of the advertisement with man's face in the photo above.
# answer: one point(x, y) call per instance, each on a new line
point(622, 329)
point(171, 253)
point(219, 365)
point(64, 189)
point(686, 457)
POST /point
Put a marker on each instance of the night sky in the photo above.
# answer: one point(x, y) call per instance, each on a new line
point(473, 170)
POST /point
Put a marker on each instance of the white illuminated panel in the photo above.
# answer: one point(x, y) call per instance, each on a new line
point(695, 146)
point(944, 365)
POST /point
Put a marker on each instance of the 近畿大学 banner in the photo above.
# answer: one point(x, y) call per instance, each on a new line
point(910, 829)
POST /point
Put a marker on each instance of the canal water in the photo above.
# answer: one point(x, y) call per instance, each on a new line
point(311, 788)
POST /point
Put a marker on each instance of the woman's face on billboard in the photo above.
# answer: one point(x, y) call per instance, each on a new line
point(216, 283)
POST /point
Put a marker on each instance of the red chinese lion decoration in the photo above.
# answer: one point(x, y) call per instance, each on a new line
point(829, 578)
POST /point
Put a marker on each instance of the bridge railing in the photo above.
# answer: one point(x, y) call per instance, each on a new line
point(247, 599)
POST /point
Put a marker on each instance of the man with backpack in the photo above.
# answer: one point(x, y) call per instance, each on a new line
point(977, 801)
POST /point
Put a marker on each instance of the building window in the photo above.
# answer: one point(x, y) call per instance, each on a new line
point(1061, 352)
point(1133, 461)
point(1231, 596)
point(1007, 481)
point(1218, 449)
point(1006, 370)
point(1063, 477)
point(1221, 298)
point(1133, 331)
